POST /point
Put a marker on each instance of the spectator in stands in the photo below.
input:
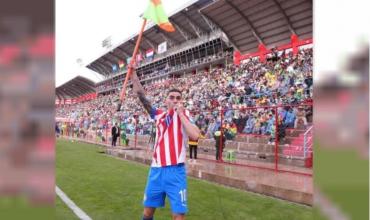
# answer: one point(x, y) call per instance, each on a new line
point(281, 131)
point(300, 115)
point(288, 117)
point(115, 134)
point(64, 128)
point(284, 81)
point(131, 126)
point(231, 131)
point(211, 128)
point(124, 139)
point(257, 125)
point(193, 146)
point(249, 127)
point(57, 129)
point(219, 143)
point(152, 136)
point(241, 122)
point(270, 124)
point(272, 135)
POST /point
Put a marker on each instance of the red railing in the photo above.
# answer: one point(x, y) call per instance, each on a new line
point(242, 137)
point(278, 166)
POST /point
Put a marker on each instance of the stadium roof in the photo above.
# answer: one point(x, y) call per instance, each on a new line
point(271, 22)
point(75, 87)
point(189, 24)
point(245, 23)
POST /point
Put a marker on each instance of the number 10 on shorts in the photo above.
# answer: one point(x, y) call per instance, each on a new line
point(183, 195)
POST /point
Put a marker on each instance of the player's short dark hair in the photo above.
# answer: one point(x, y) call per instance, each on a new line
point(174, 90)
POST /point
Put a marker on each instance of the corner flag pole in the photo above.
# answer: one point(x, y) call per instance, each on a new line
point(130, 68)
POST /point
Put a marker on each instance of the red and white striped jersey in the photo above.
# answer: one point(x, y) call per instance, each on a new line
point(171, 138)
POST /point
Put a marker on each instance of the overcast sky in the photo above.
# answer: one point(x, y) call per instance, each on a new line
point(340, 28)
point(82, 25)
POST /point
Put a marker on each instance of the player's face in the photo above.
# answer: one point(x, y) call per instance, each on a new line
point(173, 99)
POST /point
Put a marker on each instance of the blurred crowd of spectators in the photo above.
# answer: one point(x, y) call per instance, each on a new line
point(162, 71)
point(284, 79)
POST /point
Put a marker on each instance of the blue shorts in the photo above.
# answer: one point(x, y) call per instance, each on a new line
point(167, 181)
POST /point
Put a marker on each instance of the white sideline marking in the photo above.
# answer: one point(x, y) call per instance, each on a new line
point(80, 214)
point(327, 207)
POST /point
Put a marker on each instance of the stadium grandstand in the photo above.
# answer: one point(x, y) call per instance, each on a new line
point(77, 87)
point(207, 36)
point(241, 64)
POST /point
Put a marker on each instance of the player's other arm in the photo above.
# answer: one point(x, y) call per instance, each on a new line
point(139, 90)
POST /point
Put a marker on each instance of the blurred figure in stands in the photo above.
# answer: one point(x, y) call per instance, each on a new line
point(217, 137)
point(152, 136)
point(57, 129)
point(288, 117)
point(193, 146)
point(300, 115)
point(115, 134)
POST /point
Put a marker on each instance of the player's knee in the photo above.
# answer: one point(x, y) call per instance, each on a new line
point(178, 216)
point(148, 214)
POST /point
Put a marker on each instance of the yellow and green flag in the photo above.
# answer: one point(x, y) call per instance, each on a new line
point(121, 64)
point(155, 13)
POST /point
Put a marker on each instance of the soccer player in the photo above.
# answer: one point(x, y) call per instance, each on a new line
point(167, 175)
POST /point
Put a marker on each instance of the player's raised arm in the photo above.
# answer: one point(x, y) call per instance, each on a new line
point(139, 90)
